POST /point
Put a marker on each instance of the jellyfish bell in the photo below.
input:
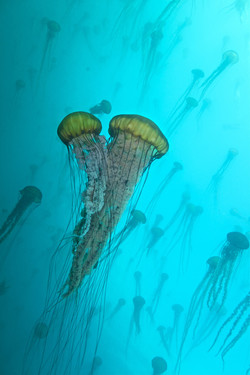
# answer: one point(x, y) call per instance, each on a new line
point(121, 302)
point(138, 302)
point(213, 262)
point(138, 217)
point(197, 73)
point(20, 84)
point(232, 152)
point(178, 309)
point(164, 276)
point(32, 193)
point(230, 57)
point(41, 330)
point(191, 102)
point(159, 365)
point(238, 240)
point(53, 27)
point(103, 107)
point(157, 232)
point(178, 166)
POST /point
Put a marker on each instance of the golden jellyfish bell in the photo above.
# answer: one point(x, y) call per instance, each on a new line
point(141, 127)
point(76, 124)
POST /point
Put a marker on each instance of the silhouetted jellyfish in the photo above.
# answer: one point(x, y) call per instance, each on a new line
point(162, 186)
point(105, 174)
point(196, 306)
point(217, 177)
point(181, 113)
point(158, 292)
point(138, 302)
point(137, 277)
point(165, 335)
point(236, 242)
point(103, 107)
point(156, 233)
point(228, 58)
point(159, 365)
point(53, 28)
point(121, 302)
point(3, 288)
point(97, 362)
point(136, 219)
point(31, 197)
point(236, 324)
point(178, 310)
point(183, 234)
point(41, 330)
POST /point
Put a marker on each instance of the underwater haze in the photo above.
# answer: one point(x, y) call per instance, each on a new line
point(125, 193)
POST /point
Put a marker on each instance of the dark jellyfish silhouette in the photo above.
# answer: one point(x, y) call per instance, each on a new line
point(162, 186)
point(53, 28)
point(159, 365)
point(31, 197)
point(234, 327)
point(217, 177)
point(137, 277)
point(228, 58)
point(136, 219)
point(156, 233)
point(138, 302)
point(41, 330)
point(103, 107)
point(178, 310)
point(181, 113)
point(158, 292)
point(121, 302)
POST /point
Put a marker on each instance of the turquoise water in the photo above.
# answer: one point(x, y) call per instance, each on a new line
point(139, 56)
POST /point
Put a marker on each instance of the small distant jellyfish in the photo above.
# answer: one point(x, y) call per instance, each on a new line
point(138, 302)
point(178, 310)
point(97, 362)
point(53, 28)
point(158, 292)
point(163, 185)
point(236, 324)
point(217, 177)
point(137, 277)
point(101, 108)
point(180, 114)
point(228, 58)
point(137, 218)
point(41, 330)
point(31, 197)
point(159, 365)
point(156, 233)
point(121, 302)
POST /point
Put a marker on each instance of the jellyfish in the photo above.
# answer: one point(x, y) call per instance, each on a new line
point(196, 306)
point(236, 324)
point(156, 233)
point(105, 175)
point(184, 232)
point(159, 365)
point(163, 184)
point(228, 58)
point(138, 302)
point(232, 249)
point(137, 277)
point(97, 362)
point(181, 113)
point(217, 177)
point(31, 197)
point(41, 330)
point(103, 107)
point(178, 310)
point(158, 292)
point(165, 335)
point(121, 302)
point(53, 28)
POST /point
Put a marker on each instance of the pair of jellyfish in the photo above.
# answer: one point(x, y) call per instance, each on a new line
point(218, 176)
point(213, 288)
point(30, 198)
point(237, 325)
point(104, 107)
point(106, 174)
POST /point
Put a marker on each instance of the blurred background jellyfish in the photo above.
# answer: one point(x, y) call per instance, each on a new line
point(163, 184)
point(236, 324)
point(41, 330)
point(158, 292)
point(181, 113)
point(103, 107)
point(138, 302)
point(217, 177)
point(53, 28)
point(178, 310)
point(137, 277)
point(121, 302)
point(96, 364)
point(30, 198)
point(228, 58)
point(159, 365)
point(196, 307)
point(236, 242)
point(156, 233)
